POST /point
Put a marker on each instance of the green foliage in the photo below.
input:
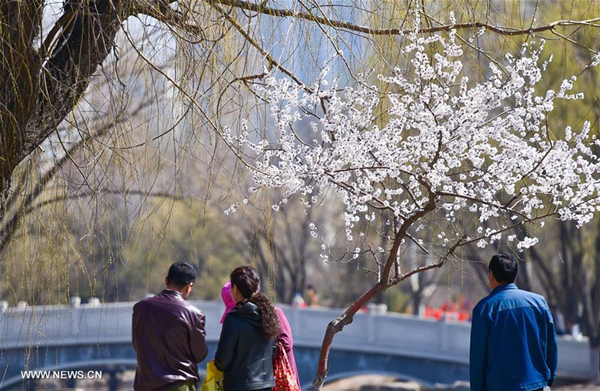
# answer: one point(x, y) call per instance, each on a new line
point(115, 262)
point(175, 232)
point(396, 300)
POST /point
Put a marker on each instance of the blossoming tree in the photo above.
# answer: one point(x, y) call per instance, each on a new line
point(474, 158)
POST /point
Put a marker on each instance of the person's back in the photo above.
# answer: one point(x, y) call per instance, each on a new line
point(169, 338)
point(519, 329)
point(513, 344)
point(242, 332)
point(247, 341)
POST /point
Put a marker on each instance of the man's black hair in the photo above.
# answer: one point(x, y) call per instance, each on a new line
point(181, 274)
point(504, 268)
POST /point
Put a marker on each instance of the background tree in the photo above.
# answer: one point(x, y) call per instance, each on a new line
point(281, 248)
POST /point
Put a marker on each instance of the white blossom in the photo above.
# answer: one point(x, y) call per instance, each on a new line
point(596, 60)
point(481, 149)
point(526, 243)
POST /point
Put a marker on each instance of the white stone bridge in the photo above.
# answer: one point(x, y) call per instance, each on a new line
point(98, 337)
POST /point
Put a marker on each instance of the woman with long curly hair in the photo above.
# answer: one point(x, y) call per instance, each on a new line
point(250, 329)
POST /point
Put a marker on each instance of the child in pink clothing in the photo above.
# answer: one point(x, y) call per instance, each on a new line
point(227, 299)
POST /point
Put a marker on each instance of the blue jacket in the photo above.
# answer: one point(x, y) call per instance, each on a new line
point(513, 344)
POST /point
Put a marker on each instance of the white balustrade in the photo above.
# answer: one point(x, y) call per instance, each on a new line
point(396, 334)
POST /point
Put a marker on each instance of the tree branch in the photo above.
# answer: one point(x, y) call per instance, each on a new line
point(260, 8)
point(25, 207)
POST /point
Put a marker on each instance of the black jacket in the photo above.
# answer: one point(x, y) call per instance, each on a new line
point(244, 354)
point(169, 338)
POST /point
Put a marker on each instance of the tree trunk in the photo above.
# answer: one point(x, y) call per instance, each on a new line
point(19, 64)
point(595, 362)
point(416, 302)
point(573, 272)
point(337, 325)
point(39, 88)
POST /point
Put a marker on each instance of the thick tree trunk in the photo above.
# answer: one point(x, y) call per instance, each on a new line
point(39, 88)
point(19, 82)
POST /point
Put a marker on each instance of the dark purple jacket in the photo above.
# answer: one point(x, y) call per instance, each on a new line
point(169, 338)
point(287, 341)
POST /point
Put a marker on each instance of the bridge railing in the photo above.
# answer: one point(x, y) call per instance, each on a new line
point(397, 334)
point(412, 336)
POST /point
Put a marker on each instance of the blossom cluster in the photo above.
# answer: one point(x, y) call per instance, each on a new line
point(479, 149)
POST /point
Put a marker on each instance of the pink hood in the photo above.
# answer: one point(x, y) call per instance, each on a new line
point(227, 299)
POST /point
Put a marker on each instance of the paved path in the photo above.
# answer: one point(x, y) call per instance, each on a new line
point(373, 382)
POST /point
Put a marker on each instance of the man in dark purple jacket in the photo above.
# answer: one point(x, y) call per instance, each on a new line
point(168, 335)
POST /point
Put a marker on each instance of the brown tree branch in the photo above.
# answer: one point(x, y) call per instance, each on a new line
point(324, 21)
point(73, 59)
point(346, 318)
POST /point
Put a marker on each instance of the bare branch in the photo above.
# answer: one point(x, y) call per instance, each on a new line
point(372, 31)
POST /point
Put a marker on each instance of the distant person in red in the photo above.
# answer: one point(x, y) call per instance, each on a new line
point(168, 335)
point(449, 306)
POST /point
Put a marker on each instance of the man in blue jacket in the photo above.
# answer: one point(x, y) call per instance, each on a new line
point(513, 344)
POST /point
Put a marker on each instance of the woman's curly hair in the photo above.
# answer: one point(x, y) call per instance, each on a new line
point(247, 281)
